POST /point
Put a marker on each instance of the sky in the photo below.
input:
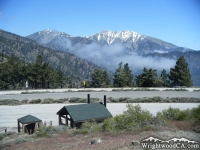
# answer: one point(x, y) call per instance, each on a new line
point(173, 21)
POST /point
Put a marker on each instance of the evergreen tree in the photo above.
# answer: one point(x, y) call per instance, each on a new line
point(180, 75)
point(119, 75)
point(128, 76)
point(164, 78)
point(147, 79)
point(100, 78)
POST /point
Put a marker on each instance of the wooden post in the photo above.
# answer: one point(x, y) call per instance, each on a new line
point(104, 100)
point(22, 128)
point(88, 96)
point(18, 126)
point(5, 129)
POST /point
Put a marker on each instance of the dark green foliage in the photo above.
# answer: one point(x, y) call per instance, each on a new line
point(14, 74)
point(180, 75)
point(147, 79)
point(164, 79)
point(123, 76)
point(100, 78)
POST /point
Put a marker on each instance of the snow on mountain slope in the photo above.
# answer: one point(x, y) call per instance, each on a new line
point(44, 37)
point(131, 40)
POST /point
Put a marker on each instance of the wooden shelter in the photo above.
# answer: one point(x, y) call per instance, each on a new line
point(75, 115)
point(29, 124)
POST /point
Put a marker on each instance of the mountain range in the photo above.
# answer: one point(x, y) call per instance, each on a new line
point(108, 48)
point(78, 56)
point(132, 41)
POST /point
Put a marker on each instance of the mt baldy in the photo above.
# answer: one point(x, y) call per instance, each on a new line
point(108, 48)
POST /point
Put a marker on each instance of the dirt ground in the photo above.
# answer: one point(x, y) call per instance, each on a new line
point(120, 141)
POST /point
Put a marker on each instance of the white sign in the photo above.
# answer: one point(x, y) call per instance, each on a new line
point(26, 84)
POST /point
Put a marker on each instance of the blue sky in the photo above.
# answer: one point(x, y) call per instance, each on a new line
point(174, 21)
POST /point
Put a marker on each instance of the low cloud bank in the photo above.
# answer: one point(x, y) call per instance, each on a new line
point(109, 56)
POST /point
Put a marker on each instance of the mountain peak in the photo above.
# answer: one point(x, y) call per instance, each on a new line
point(110, 36)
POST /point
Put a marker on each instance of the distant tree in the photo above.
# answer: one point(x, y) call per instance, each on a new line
point(180, 75)
point(123, 76)
point(99, 78)
point(164, 78)
point(128, 76)
point(118, 80)
point(147, 79)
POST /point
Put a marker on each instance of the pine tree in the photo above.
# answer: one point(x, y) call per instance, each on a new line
point(180, 75)
point(100, 78)
point(128, 75)
point(147, 79)
point(165, 78)
point(118, 80)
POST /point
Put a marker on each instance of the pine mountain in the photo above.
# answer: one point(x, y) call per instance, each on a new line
point(109, 48)
point(27, 50)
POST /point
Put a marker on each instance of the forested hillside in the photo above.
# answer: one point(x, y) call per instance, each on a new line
point(27, 50)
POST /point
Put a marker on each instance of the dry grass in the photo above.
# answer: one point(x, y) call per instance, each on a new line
point(122, 141)
point(182, 125)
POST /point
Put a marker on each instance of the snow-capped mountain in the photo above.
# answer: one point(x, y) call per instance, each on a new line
point(46, 36)
point(132, 41)
point(108, 48)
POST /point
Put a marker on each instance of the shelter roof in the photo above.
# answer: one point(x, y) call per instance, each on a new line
point(84, 112)
point(29, 119)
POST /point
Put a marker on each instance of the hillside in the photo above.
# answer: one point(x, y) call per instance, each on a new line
point(27, 50)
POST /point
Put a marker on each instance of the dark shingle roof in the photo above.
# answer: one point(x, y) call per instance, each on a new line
point(86, 111)
point(29, 119)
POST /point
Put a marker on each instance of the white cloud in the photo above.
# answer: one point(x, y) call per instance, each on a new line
point(109, 56)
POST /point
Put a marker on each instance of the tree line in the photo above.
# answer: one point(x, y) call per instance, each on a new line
point(123, 77)
point(14, 74)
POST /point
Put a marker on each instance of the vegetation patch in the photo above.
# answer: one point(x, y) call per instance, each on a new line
point(131, 120)
point(21, 140)
point(6, 134)
point(61, 100)
point(180, 115)
point(82, 100)
point(10, 102)
point(86, 91)
point(155, 99)
point(48, 101)
point(51, 130)
point(176, 89)
point(145, 89)
point(198, 90)
point(35, 101)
